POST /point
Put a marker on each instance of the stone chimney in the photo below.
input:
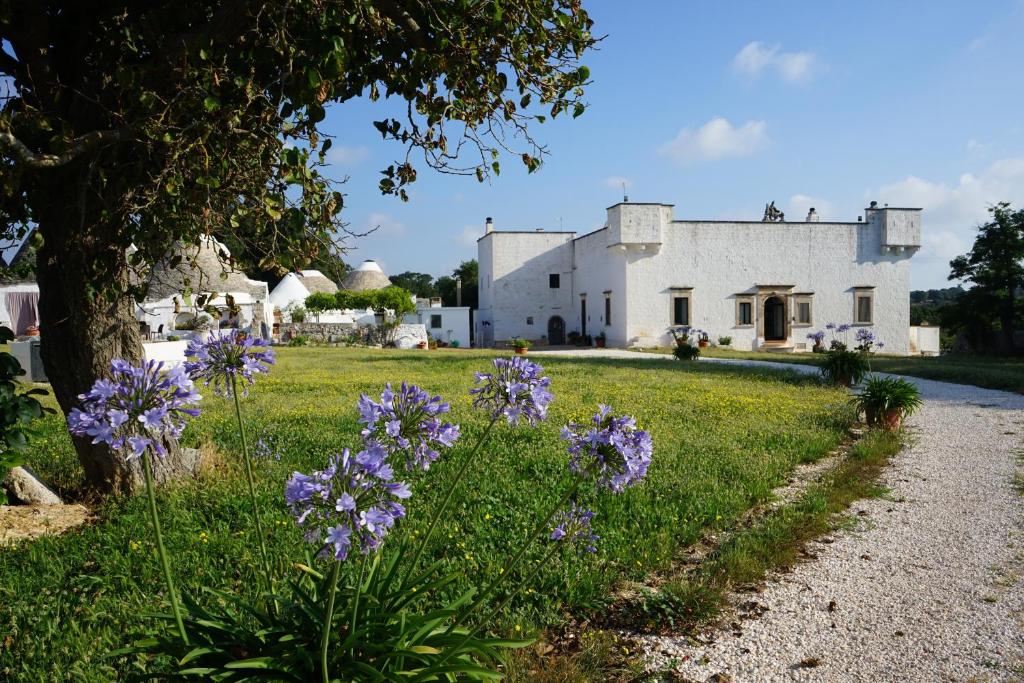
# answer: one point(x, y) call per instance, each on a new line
point(488, 226)
point(812, 216)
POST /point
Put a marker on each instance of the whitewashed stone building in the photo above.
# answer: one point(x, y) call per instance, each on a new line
point(764, 284)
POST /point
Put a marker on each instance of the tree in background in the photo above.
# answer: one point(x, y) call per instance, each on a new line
point(151, 124)
point(420, 284)
point(995, 266)
point(447, 286)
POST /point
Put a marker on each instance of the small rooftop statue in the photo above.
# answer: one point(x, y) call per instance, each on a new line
point(772, 214)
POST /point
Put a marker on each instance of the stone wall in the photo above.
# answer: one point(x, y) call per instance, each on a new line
point(318, 333)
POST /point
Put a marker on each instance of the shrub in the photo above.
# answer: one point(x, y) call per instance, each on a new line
point(686, 352)
point(517, 343)
point(724, 340)
point(173, 337)
point(883, 395)
point(391, 298)
point(844, 367)
point(17, 411)
point(318, 302)
point(298, 314)
point(298, 340)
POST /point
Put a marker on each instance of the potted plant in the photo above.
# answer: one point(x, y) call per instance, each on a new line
point(819, 341)
point(725, 341)
point(703, 340)
point(600, 340)
point(32, 331)
point(843, 367)
point(686, 352)
point(299, 314)
point(519, 345)
point(885, 401)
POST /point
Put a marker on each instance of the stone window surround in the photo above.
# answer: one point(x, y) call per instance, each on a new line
point(435, 317)
point(803, 298)
point(607, 307)
point(680, 293)
point(859, 292)
point(746, 298)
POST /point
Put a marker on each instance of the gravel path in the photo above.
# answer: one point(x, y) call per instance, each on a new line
point(930, 587)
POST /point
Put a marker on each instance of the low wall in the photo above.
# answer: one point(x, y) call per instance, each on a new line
point(318, 333)
point(924, 340)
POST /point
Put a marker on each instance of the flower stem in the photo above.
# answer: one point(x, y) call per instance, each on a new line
point(448, 497)
point(147, 467)
point(252, 487)
point(325, 639)
point(358, 591)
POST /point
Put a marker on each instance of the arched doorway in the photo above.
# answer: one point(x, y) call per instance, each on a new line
point(556, 331)
point(774, 319)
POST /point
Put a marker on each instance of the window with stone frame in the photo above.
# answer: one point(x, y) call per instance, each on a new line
point(863, 305)
point(804, 310)
point(745, 312)
point(435, 321)
point(607, 308)
point(680, 309)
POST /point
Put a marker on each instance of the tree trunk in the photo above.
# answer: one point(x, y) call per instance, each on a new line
point(82, 330)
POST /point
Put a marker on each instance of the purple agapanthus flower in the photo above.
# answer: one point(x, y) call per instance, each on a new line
point(816, 337)
point(572, 527)
point(227, 355)
point(612, 449)
point(845, 327)
point(406, 423)
point(351, 505)
point(830, 326)
point(516, 390)
point(136, 408)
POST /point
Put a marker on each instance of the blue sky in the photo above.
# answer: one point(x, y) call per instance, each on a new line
point(721, 107)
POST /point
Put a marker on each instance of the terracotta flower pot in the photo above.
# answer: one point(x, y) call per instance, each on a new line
point(703, 344)
point(31, 331)
point(421, 345)
point(600, 343)
point(521, 350)
point(889, 420)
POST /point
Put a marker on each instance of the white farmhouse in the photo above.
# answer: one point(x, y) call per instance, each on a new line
point(765, 284)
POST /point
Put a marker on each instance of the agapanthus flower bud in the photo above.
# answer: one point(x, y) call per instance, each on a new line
point(407, 424)
point(136, 408)
point(351, 505)
point(572, 527)
point(516, 390)
point(225, 355)
point(611, 449)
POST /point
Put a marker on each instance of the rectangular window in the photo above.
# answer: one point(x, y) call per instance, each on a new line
point(607, 310)
point(863, 309)
point(745, 313)
point(680, 310)
point(583, 317)
point(435, 322)
point(803, 312)
point(554, 280)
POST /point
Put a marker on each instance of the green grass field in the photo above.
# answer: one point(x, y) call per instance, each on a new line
point(989, 372)
point(724, 438)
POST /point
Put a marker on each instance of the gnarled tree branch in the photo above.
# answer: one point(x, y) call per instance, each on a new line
point(18, 150)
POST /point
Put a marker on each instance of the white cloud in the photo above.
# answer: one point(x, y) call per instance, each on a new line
point(385, 225)
point(793, 67)
point(469, 235)
point(716, 139)
point(617, 182)
point(800, 204)
point(953, 211)
point(347, 156)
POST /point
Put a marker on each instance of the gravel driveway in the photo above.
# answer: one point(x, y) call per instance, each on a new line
point(930, 587)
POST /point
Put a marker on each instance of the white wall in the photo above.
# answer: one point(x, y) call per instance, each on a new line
point(514, 286)
point(717, 259)
point(454, 323)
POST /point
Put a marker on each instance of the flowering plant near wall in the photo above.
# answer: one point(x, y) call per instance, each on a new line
point(362, 606)
point(843, 366)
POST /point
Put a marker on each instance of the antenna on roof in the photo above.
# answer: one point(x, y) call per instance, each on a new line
point(625, 197)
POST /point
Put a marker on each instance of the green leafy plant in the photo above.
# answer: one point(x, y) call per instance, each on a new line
point(173, 337)
point(844, 367)
point(17, 411)
point(724, 340)
point(395, 299)
point(298, 314)
point(887, 399)
point(518, 343)
point(298, 340)
point(318, 302)
point(686, 352)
